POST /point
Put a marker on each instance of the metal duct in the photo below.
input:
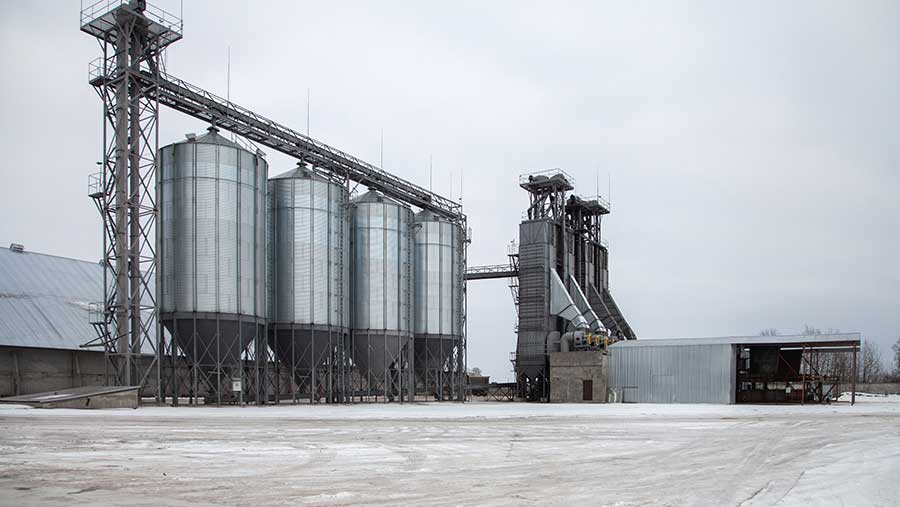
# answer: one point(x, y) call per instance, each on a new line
point(561, 303)
point(586, 311)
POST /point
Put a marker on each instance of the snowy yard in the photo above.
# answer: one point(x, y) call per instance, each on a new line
point(451, 454)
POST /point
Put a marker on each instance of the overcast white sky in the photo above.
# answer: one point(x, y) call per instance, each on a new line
point(753, 147)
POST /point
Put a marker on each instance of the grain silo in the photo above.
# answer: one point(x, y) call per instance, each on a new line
point(382, 297)
point(309, 278)
point(439, 305)
point(212, 262)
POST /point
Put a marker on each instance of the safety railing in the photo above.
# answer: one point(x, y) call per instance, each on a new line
point(99, 69)
point(494, 268)
point(491, 272)
point(549, 173)
point(95, 184)
point(600, 200)
point(103, 7)
point(96, 313)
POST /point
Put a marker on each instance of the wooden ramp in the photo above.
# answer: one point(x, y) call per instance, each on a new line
point(80, 397)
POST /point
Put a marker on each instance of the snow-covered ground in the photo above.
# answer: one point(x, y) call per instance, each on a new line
point(452, 454)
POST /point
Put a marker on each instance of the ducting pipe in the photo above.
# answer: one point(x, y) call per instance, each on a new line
point(584, 307)
point(561, 303)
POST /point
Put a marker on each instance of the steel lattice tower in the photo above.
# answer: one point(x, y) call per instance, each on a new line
point(132, 36)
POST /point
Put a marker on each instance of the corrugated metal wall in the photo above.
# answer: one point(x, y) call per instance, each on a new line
point(672, 373)
point(537, 254)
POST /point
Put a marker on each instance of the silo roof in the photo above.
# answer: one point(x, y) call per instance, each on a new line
point(212, 137)
point(375, 196)
point(301, 172)
point(429, 216)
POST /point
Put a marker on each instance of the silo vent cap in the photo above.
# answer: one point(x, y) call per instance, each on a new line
point(191, 137)
point(16, 247)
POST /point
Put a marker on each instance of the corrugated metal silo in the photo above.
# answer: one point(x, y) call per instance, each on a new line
point(382, 296)
point(212, 251)
point(439, 303)
point(309, 277)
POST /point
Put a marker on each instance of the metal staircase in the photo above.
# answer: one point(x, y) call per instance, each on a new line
point(513, 253)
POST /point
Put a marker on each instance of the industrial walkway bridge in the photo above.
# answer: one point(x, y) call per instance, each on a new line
point(203, 105)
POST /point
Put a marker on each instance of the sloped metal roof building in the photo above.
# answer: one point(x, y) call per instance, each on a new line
point(44, 320)
point(44, 300)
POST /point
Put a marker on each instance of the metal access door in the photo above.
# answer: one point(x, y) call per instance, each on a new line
point(587, 390)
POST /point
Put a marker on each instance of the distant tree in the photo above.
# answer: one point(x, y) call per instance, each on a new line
point(813, 330)
point(769, 331)
point(870, 367)
point(818, 362)
point(476, 371)
point(892, 373)
point(896, 347)
point(838, 365)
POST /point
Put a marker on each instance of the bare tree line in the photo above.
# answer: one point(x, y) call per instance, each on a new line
point(871, 364)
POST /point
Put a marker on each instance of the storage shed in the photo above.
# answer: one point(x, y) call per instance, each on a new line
point(44, 321)
point(751, 369)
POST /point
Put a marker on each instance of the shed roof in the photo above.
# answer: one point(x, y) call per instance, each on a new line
point(837, 339)
point(44, 299)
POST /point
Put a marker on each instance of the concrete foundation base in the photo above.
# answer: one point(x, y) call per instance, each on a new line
point(578, 377)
